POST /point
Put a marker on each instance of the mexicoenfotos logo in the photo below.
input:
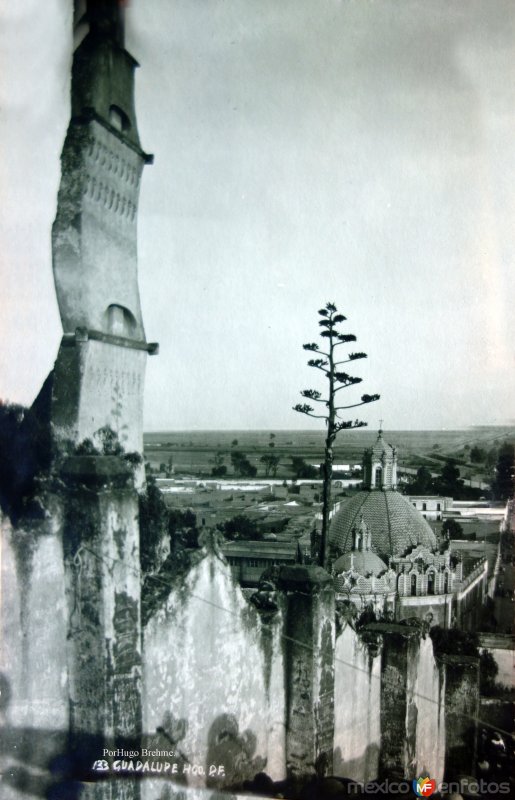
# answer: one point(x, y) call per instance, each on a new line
point(424, 787)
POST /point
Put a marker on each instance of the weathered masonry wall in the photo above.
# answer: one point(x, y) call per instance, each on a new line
point(461, 712)
point(357, 693)
point(412, 723)
point(94, 233)
point(429, 696)
point(97, 384)
point(309, 648)
point(213, 680)
point(33, 671)
point(101, 555)
point(438, 607)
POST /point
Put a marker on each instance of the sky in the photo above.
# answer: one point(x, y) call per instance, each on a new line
point(353, 151)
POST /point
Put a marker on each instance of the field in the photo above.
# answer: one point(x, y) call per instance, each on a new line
point(193, 452)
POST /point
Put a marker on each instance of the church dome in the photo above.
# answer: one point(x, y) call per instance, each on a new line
point(364, 562)
point(394, 524)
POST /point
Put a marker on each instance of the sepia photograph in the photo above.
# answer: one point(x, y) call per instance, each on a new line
point(257, 430)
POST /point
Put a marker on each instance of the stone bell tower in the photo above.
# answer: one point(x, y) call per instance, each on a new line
point(99, 373)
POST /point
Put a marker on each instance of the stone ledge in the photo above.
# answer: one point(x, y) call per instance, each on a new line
point(97, 470)
point(308, 578)
point(86, 334)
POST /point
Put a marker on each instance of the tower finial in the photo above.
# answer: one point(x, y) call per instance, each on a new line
point(380, 426)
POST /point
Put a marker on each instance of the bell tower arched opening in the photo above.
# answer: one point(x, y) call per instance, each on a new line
point(120, 321)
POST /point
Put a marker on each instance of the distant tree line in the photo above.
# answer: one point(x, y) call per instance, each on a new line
point(450, 483)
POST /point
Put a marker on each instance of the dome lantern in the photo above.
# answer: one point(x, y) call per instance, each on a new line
point(380, 465)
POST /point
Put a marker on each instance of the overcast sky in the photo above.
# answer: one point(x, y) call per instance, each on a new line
point(357, 151)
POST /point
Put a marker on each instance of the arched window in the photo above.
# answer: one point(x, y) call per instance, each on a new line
point(120, 321)
point(119, 119)
point(378, 477)
point(446, 583)
point(430, 582)
point(413, 585)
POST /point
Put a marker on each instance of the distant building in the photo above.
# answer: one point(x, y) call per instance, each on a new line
point(431, 506)
point(387, 556)
point(249, 559)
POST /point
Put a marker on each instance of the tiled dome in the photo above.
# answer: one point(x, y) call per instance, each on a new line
point(363, 561)
point(395, 525)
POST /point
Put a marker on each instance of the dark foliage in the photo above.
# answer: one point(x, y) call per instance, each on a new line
point(503, 483)
point(242, 465)
point(423, 482)
point(454, 642)
point(449, 483)
point(182, 529)
point(271, 462)
point(466, 643)
point(303, 470)
point(153, 522)
point(25, 455)
point(452, 529)
point(240, 528)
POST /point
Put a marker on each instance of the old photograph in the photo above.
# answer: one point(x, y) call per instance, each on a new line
point(257, 432)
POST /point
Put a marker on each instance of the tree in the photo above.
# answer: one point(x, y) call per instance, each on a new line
point(182, 529)
point(327, 363)
point(477, 454)
point(423, 482)
point(303, 470)
point(153, 522)
point(271, 462)
point(242, 465)
point(26, 452)
point(449, 482)
point(240, 528)
point(491, 458)
point(488, 671)
point(219, 470)
point(452, 529)
point(503, 483)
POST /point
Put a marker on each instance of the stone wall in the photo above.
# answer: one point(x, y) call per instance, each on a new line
point(97, 384)
point(308, 597)
point(412, 704)
point(101, 556)
point(357, 692)
point(435, 609)
point(461, 712)
point(33, 671)
point(429, 696)
point(213, 680)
